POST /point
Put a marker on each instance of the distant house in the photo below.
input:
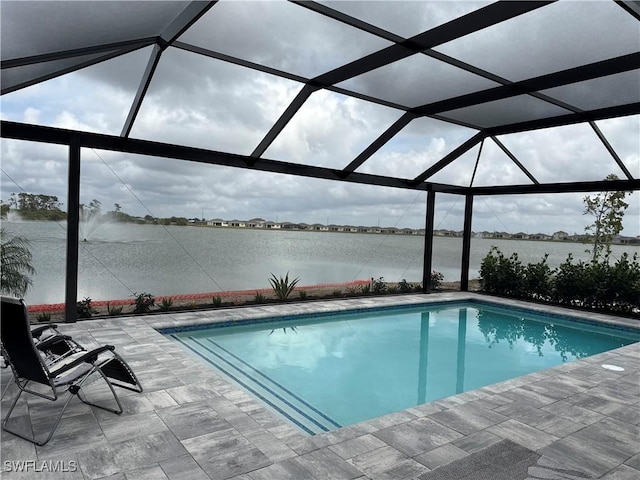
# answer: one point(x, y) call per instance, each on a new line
point(540, 236)
point(447, 233)
point(560, 235)
point(520, 236)
point(237, 223)
point(256, 223)
point(626, 240)
point(502, 235)
point(217, 222)
point(273, 225)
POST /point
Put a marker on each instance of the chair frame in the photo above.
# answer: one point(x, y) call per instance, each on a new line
point(67, 374)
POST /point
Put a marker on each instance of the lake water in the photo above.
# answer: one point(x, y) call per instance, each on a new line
point(120, 259)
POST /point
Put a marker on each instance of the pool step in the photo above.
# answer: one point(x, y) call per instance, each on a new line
point(288, 404)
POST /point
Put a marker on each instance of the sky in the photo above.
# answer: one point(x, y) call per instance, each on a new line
point(206, 103)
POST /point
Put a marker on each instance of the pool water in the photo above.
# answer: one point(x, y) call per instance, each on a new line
point(323, 372)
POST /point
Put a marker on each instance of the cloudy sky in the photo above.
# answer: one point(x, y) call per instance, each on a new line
point(201, 102)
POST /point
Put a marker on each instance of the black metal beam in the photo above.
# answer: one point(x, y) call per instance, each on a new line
point(459, 27)
point(466, 243)
point(182, 22)
point(632, 7)
point(366, 27)
point(238, 61)
point(611, 151)
point(466, 146)
point(145, 81)
point(37, 133)
point(59, 136)
point(612, 66)
point(348, 20)
point(565, 187)
point(427, 264)
point(285, 118)
point(73, 232)
point(127, 45)
point(379, 142)
point(72, 68)
point(568, 119)
point(515, 160)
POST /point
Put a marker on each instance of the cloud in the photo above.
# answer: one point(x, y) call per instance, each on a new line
point(201, 102)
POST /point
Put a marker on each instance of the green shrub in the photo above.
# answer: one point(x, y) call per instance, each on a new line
point(282, 287)
point(538, 280)
point(624, 284)
point(217, 301)
point(404, 287)
point(302, 294)
point(365, 289)
point(393, 289)
point(44, 317)
point(113, 311)
point(571, 283)
point(143, 302)
point(501, 275)
point(259, 298)
point(378, 287)
point(436, 280)
point(166, 304)
point(594, 285)
point(84, 309)
point(337, 293)
point(353, 290)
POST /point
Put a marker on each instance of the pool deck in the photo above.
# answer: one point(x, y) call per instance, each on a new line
point(191, 423)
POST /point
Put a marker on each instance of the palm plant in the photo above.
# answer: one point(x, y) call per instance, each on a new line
point(15, 258)
point(282, 287)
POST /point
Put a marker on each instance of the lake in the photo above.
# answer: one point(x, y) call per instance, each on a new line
point(119, 259)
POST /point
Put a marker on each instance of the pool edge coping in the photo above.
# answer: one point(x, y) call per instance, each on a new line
point(412, 413)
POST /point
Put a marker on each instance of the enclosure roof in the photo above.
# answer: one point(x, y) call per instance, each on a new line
point(487, 69)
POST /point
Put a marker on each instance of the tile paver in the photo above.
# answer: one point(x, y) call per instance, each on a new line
point(191, 423)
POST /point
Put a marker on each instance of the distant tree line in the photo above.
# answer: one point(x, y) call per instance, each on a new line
point(35, 206)
point(38, 206)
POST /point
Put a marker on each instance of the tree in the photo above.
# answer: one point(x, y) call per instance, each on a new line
point(117, 207)
point(95, 205)
point(15, 258)
point(607, 208)
point(37, 206)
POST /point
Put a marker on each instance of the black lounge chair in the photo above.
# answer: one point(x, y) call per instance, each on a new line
point(52, 344)
point(68, 374)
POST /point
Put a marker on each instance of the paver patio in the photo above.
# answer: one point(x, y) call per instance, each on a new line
point(191, 423)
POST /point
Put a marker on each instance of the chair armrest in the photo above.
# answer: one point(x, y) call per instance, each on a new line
point(88, 357)
point(37, 332)
point(45, 344)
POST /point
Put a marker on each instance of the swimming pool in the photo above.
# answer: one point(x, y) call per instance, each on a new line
point(326, 371)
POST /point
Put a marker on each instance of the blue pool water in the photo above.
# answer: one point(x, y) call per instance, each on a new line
point(323, 372)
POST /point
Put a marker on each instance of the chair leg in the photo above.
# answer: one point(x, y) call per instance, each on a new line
point(115, 396)
point(6, 388)
point(73, 390)
point(25, 437)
